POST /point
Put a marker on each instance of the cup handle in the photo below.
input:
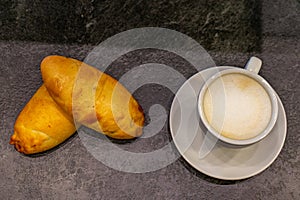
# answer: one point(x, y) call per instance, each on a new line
point(253, 65)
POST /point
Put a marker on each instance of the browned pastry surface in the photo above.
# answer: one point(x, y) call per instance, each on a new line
point(96, 100)
point(41, 125)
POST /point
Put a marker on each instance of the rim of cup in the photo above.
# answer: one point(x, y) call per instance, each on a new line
point(270, 91)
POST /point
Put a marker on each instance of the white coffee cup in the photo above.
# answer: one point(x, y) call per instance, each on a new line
point(237, 105)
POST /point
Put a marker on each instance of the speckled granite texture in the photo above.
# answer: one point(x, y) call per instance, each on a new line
point(70, 172)
point(281, 18)
point(219, 25)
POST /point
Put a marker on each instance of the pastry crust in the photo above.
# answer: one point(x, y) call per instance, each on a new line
point(41, 125)
point(95, 99)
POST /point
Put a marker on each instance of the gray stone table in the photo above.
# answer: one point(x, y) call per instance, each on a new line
point(70, 172)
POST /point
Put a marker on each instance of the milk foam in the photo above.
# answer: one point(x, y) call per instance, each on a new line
point(237, 106)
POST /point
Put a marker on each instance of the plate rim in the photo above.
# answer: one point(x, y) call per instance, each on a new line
point(280, 104)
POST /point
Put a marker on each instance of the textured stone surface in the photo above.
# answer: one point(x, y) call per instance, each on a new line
point(281, 18)
point(219, 25)
point(70, 172)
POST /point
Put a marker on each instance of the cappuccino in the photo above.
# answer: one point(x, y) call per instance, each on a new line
point(237, 106)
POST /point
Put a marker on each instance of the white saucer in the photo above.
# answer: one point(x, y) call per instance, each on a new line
point(223, 162)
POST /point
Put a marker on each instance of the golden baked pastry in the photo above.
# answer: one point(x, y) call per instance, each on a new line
point(41, 125)
point(95, 99)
